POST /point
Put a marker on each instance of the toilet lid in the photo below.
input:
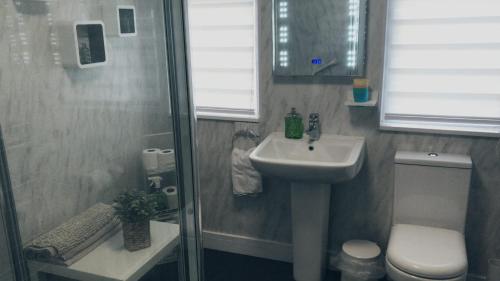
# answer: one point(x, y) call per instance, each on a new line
point(427, 252)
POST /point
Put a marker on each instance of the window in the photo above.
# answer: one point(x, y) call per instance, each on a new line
point(224, 64)
point(442, 66)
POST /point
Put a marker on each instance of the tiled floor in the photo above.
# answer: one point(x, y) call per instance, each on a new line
point(220, 266)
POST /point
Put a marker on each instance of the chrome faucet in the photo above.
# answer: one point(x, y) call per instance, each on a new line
point(314, 130)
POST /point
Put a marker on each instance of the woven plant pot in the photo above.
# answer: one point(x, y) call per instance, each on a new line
point(137, 235)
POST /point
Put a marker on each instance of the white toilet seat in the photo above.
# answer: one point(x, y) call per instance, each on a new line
point(421, 253)
point(398, 275)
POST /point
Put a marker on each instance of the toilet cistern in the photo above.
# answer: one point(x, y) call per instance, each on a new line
point(431, 193)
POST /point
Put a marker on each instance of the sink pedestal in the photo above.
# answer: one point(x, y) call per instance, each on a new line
point(330, 160)
point(310, 218)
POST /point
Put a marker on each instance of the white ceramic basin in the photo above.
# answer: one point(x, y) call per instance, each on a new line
point(311, 169)
point(330, 160)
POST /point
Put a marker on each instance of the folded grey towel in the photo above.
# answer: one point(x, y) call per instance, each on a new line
point(84, 249)
point(79, 234)
point(246, 179)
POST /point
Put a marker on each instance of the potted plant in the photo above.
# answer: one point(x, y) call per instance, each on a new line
point(135, 210)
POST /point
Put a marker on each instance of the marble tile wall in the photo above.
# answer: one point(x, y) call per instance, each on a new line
point(7, 275)
point(74, 136)
point(361, 208)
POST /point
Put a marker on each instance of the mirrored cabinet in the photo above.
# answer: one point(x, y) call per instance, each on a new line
point(315, 38)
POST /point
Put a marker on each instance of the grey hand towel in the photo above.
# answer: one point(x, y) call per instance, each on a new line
point(246, 180)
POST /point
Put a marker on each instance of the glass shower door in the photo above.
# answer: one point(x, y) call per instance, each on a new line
point(98, 121)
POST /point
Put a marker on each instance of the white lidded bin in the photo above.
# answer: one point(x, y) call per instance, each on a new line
point(360, 260)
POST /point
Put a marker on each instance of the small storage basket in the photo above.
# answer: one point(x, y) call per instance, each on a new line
point(136, 236)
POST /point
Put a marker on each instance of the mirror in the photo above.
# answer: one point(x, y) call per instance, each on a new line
point(319, 38)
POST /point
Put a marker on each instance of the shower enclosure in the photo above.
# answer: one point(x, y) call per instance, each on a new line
point(86, 87)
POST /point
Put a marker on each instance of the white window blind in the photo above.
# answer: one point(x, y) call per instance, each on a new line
point(223, 42)
point(442, 66)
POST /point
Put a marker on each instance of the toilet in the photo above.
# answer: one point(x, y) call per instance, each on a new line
point(431, 192)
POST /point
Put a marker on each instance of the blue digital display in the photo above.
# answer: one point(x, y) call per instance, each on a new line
point(316, 61)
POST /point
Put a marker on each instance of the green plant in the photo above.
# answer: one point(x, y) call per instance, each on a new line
point(134, 206)
point(160, 200)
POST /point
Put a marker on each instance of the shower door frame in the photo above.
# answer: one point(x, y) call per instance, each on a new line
point(184, 127)
point(9, 218)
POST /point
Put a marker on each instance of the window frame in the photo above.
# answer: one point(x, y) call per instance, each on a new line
point(461, 126)
point(224, 114)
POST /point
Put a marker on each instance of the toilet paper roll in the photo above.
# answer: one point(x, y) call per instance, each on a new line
point(166, 159)
point(171, 192)
point(150, 158)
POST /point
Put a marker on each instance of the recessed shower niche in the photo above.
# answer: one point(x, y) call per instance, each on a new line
point(120, 20)
point(83, 44)
point(126, 15)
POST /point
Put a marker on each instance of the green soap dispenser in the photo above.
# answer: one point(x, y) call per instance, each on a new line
point(294, 125)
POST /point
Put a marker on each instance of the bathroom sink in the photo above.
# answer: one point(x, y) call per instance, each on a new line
point(311, 169)
point(330, 160)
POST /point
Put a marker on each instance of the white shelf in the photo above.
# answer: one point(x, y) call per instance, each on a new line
point(120, 20)
point(83, 44)
point(373, 102)
point(112, 262)
point(161, 171)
